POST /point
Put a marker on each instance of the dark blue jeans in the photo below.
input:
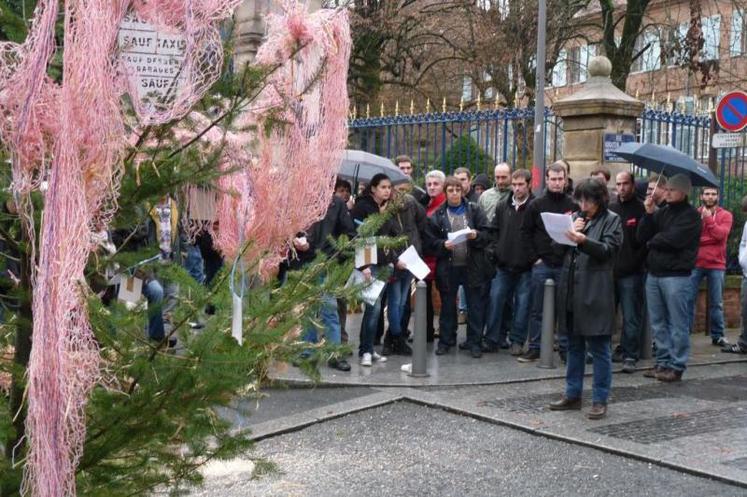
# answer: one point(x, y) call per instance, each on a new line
point(715, 280)
point(370, 322)
point(630, 292)
point(161, 302)
point(599, 347)
point(540, 273)
point(448, 286)
point(505, 285)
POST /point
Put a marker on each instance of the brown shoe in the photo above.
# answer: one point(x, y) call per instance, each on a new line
point(566, 404)
point(669, 376)
point(651, 373)
point(597, 411)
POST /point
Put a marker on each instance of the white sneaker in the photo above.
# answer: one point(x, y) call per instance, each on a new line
point(378, 358)
point(366, 360)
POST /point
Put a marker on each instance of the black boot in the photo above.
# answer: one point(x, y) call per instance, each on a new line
point(400, 346)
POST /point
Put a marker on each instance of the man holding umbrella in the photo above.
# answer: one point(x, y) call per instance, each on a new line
point(671, 235)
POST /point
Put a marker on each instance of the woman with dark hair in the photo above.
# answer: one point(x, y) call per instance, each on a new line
point(586, 297)
point(374, 200)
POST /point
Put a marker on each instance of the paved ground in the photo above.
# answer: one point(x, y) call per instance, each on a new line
point(408, 450)
point(481, 427)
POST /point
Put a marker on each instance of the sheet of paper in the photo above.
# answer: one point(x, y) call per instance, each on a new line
point(366, 255)
point(414, 263)
point(236, 321)
point(557, 225)
point(371, 289)
point(460, 236)
point(130, 289)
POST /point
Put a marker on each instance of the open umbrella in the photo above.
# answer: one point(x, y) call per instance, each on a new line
point(667, 160)
point(358, 165)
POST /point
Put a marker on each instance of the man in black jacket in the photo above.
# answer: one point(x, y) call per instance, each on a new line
point(671, 235)
point(336, 222)
point(460, 263)
point(546, 256)
point(514, 274)
point(629, 271)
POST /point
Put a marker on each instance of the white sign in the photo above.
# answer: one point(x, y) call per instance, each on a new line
point(729, 140)
point(154, 61)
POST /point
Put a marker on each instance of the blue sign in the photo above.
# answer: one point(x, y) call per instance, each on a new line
point(731, 112)
point(612, 142)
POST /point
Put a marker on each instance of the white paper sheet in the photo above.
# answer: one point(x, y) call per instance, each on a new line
point(372, 289)
point(130, 289)
point(457, 237)
point(414, 263)
point(237, 321)
point(557, 225)
point(366, 255)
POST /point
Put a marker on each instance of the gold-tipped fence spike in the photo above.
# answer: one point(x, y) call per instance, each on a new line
point(368, 111)
point(478, 102)
point(412, 107)
point(427, 105)
point(497, 101)
point(461, 104)
point(381, 110)
point(443, 106)
point(396, 108)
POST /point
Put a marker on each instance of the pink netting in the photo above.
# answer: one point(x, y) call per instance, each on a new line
point(72, 135)
point(289, 183)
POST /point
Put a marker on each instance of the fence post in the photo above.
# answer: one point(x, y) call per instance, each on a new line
point(419, 342)
point(547, 355)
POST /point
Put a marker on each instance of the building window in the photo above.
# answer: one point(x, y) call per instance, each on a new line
point(738, 40)
point(500, 5)
point(559, 76)
point(675, 39)
point(650, 59)
point(712, 36)
point(467, 89)
point(587, 53)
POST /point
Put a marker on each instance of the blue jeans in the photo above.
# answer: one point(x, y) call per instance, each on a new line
point(370, 322)
point(629, 292)
point(161, 301)
point(478, 298)
point(669, 309)
point(743, 337)
point(540, 273)
point(599, 347)
point(715, 280)
point(330, 322)
point(462, 299)
point(398, 291)
point(194, 264)
point(505, 285)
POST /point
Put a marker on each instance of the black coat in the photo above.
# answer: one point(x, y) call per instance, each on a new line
point(586, 287)
point(508, 250)
point(631, 258)
point(479, 268)
point(536, 240)
point(407, 219)
point(672, 236)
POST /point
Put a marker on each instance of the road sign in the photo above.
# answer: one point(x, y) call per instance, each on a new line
point(731, 112)
point(729, 140)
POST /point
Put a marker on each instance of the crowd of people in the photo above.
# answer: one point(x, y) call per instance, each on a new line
point(640, 247)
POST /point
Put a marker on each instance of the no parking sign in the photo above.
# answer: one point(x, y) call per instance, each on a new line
point(731, 112)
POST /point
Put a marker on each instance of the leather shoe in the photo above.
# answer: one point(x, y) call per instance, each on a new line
point(339, 364)
point(476, 352)
point(669, 376)
point(651, 373)
point(442, 349)
point(597, 411)
point(566, 404)
point(464, 345)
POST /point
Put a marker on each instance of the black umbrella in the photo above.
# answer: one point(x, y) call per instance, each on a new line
point(358, 165)
point(667, 160)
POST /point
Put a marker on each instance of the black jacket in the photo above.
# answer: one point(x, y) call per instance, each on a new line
point(336, 222)
point(632, 256)
point(479, 268)
point(508, 250)
point(672, 236)
point(407, 219)
point(535, 239)
point(586, 288)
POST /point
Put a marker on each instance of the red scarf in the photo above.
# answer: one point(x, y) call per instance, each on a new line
point(433, 205)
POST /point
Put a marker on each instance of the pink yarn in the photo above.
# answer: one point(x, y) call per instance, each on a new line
point(288, 185)
point(72, 135)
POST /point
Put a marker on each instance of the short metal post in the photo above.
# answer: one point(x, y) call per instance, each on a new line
point(547, 355)
point(419, 341)
point(646, 339)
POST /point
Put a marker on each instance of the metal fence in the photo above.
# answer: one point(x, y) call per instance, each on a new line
point(447, 140)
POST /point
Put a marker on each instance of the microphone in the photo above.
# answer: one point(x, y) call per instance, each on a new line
point(582, 215)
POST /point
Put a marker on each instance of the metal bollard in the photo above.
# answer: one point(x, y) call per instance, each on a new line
point(547, 355)
point(646, 339)
point(419, 342)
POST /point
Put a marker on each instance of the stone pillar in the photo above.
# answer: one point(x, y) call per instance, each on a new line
point(250, 26)
point(596, 119)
